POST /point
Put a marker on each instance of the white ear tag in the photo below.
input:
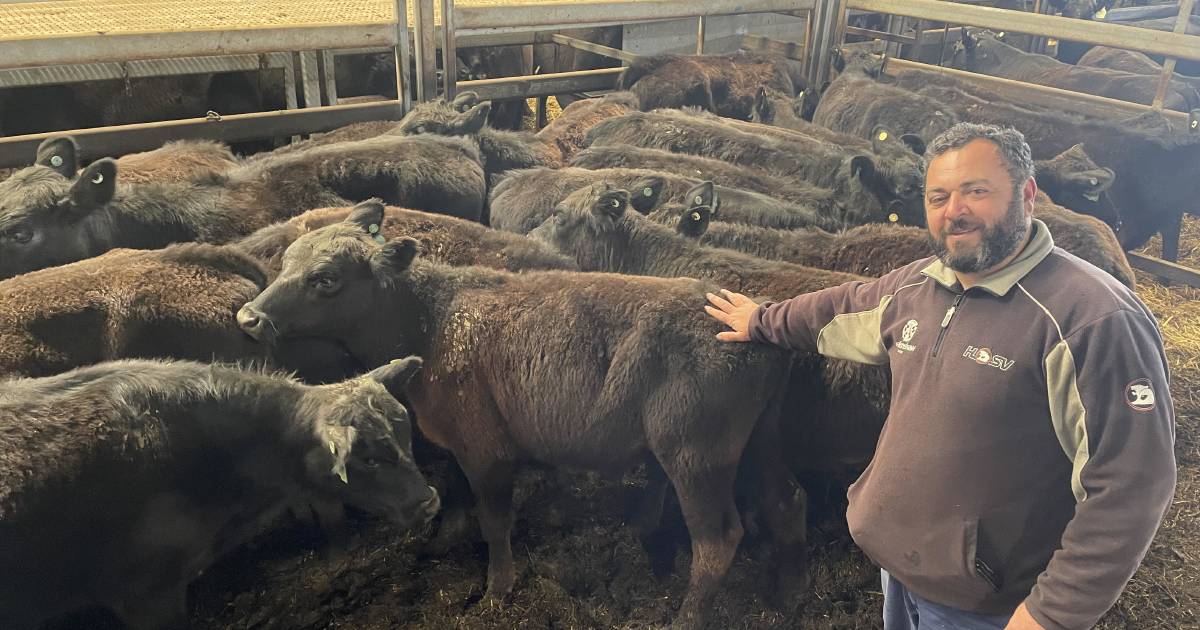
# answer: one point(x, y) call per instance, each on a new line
point(695, 216)
point(647, 191)
point(698, 200)
point(616, 203)
point(99, 178)
point(56, 160)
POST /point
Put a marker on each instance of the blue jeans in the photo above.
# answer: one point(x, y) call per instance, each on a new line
point(905, 610)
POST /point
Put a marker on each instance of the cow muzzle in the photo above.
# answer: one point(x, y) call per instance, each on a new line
point(254, 323)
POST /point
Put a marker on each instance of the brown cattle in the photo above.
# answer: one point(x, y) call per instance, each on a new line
point(726, 85)
point(591, 371)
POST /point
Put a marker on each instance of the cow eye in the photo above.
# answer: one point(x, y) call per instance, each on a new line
point(323, 282)
point(371, 462)
point(21, 235)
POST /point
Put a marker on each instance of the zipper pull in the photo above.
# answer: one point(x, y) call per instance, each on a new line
point(950, 311)
point(949, 314)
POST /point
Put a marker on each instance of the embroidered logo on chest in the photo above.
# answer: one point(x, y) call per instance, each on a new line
point(906, 335)
point(984, 356)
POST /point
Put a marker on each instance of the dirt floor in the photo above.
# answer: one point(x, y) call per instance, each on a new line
point(580, 567)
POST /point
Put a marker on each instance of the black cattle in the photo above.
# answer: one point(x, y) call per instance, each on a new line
point(122, 481)
point(985, 52)
point(1157, 166)
point(50, 216)
point(582, 370)
point(872, 185)
point(722, 84)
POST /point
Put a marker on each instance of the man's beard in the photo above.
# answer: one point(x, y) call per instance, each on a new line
point(996, 242)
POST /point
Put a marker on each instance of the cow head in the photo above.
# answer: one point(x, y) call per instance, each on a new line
point(980, 50)
point(886, 187)
point(331, 281)
point(697, 213)
point(770, 106)
point(588, 225)
point(363, 451)
point(1077, 183)
point(47, 212)
point(465, 115)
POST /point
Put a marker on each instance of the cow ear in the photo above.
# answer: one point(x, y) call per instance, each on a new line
point(59, 153)
point(694, 220)
point(367, 216)
point(1093, 183)
point(611, 204)
point(95, 186)
point(914, 142)
point(761, 110)
point(862, 167)
point(464, 101)
point(881, 137)
point(339, 440)
point(395, 375)
point(395, 257)
point(474, 119)
point(644, 193)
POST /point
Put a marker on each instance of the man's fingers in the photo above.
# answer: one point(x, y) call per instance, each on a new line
point(732, 335)
point(719, 302)
point(718, 314)
point(735, 298)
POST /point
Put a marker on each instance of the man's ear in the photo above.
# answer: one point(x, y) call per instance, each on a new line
point(95, 186)
point(395, 257)
point(396, 375)
point(645, 192)
point(59, 153)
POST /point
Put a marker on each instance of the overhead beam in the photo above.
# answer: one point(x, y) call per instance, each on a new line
point(553, 15)
point(1087, 31)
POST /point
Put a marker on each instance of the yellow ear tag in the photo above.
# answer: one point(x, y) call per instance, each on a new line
point(1101, 13)
point(883, 135)
point(375, 235)
point(695, 216)
point(698, 200)
point(893, 217)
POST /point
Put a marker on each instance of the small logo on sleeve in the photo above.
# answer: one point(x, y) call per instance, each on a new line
point(1139, 395)
point(906, 335)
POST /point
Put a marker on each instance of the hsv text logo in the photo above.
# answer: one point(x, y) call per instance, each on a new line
point(984, 356)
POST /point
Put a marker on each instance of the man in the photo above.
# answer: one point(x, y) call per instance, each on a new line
point(1027, 459)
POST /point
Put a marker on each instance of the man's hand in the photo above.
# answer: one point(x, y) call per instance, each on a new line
point(1022, 620)
point(733, 310)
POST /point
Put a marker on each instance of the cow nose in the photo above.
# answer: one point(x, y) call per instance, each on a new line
point(250, 321)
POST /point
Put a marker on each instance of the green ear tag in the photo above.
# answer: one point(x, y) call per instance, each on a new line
point(374, 230)
point(646, 192)
point(57, 160)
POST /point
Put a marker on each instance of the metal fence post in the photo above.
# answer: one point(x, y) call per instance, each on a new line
point(449, 51)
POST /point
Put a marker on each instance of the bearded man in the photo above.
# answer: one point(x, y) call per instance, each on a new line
point(1027, 458)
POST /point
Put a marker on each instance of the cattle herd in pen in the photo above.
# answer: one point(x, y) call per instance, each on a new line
point(196, 343)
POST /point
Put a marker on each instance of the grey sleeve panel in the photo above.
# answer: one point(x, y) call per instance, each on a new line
point(856, 336)
point(1112, 411)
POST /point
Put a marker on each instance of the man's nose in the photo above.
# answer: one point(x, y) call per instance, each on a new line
point(956, 206)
